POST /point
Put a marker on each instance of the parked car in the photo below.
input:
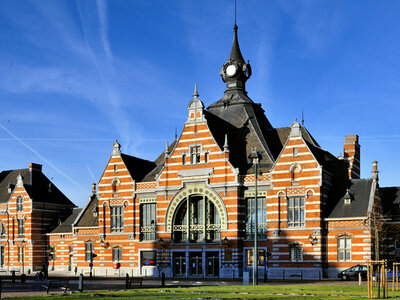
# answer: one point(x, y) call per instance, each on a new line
point(352, 273)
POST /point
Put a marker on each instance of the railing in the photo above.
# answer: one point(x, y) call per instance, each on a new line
point(213, 232)
point(250, 229)
point(148, 233)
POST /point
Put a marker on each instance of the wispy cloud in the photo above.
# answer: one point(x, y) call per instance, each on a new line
point(102, 11)
point(40, 156)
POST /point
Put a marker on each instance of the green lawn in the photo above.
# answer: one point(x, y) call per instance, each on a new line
point(321, 291)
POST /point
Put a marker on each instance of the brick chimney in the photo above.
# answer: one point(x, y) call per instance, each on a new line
point(352, 155)
point(374, 172)
point(35, 167)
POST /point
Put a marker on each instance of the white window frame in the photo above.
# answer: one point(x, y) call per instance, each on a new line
point(344, 248)
point(295, 252)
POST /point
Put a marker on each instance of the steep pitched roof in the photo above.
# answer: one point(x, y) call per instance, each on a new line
point(66, 226)
point(158, 164)
point(360, 192)
point(390, 199)
point(246, 125)
point(86, 217)
point(137, 167)
point(37, 185)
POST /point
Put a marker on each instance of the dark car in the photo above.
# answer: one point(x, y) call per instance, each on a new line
point(352, 273)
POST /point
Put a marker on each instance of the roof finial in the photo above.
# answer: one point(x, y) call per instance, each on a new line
point(235, 13)
point(195, 94)
point(302, 117)
point(226, 146)
point(176, 134)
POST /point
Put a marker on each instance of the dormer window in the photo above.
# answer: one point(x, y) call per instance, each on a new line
point(347, 198)
point(195, 155)
point(20, 204)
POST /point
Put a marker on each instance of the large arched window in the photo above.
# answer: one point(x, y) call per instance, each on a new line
point(196, 219)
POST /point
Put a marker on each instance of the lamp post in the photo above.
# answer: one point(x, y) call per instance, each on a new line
point(255, 157)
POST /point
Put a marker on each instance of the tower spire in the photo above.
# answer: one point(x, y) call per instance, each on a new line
point(195, 94)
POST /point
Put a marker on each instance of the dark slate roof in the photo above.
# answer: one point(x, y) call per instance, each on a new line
point(390, 199)
point(360, 191)
point(137, 167)
point(159, 164)
point(86, 217)
point(246, 126)
point(36, 184)
point(66, 226)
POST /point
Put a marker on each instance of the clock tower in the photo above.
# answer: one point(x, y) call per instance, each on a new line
point(235, 71)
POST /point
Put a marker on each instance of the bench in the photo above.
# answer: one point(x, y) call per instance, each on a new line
point(57, 284)
point(134, 280)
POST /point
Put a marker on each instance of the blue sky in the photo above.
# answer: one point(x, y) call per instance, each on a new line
point(76, 75)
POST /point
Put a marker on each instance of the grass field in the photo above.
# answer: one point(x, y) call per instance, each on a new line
point(319, 291)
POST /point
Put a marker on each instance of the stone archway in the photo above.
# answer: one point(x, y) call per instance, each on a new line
point(196, 189)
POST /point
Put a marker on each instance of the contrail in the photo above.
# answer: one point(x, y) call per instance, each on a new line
point(90, 172)
point(40, 156)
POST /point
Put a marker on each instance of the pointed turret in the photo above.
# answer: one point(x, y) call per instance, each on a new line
point(235, 71)
point(116, 149)
point(195, 108)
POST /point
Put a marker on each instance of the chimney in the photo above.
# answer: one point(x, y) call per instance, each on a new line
point(352, 155)
point(35, 167)
point(374, 172)
point(93, 188)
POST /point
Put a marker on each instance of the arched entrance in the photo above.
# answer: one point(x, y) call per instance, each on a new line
point(196, 215)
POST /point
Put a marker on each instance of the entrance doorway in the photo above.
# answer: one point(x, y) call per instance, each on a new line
point(179, 264)
point(212, 264)
point(196, 264)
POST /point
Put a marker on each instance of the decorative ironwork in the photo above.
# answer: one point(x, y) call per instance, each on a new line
point(262, 231)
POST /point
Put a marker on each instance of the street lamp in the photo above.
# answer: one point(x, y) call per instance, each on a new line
point(255, 158)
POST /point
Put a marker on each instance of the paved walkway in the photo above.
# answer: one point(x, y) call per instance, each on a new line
point(32, 287)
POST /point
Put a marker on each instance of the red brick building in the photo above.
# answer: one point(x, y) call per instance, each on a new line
point(191, 212)
point(30, 207)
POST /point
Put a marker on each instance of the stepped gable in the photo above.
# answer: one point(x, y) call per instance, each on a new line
point(39, 188)
point(158, 164)
point(390, 199)
point(137, 167)
point(360, 193)
point(87, 217)
point(66, 226)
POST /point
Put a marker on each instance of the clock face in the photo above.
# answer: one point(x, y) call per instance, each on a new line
point(231, 70)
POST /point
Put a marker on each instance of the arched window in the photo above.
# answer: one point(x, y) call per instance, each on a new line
point(114, 184)
point(20, 204)
point(117, 254)
point(2, 231)
point(196, 219)
point(295, 172)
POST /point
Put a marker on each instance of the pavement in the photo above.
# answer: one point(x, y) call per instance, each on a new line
point(34, 287)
